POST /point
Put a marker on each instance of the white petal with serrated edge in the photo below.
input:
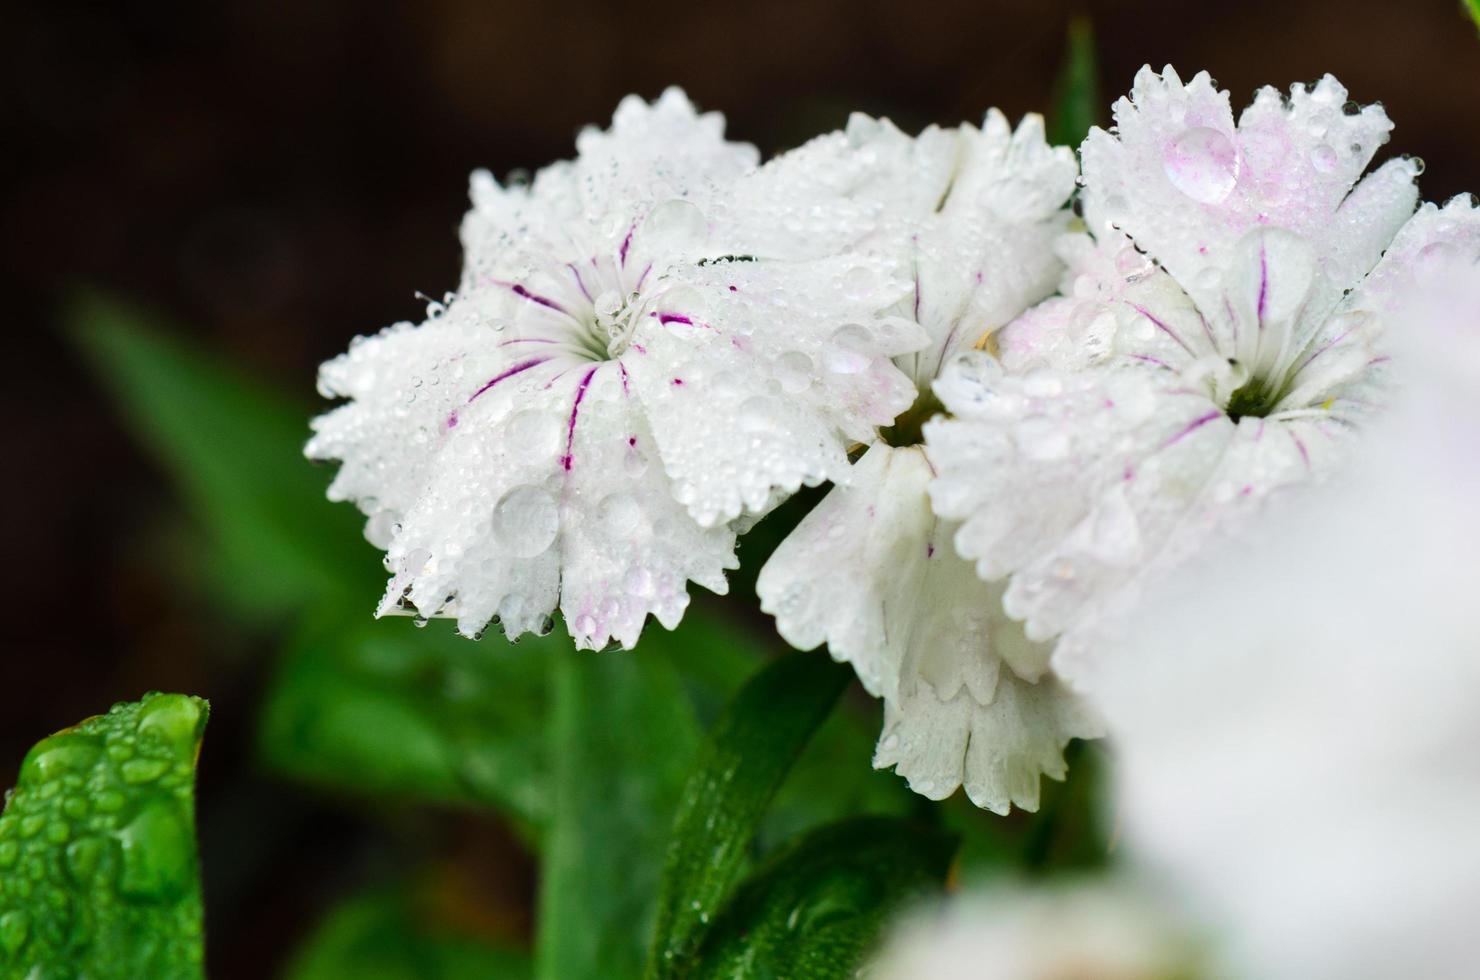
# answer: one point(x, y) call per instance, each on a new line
point(967, 697)
point(628, 547)
point(1181, 180)
point(405, 383)
point(634, 266)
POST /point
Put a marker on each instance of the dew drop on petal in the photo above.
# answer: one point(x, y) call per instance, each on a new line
point(1203, 164)
point(1324, 158)
point(675, 225)
point(847, 349)
point(622, 517)
point(634, 463)
point(757, 415)
point(794, 371)
point(639, 582)
point(525, 521)
point(533, 432)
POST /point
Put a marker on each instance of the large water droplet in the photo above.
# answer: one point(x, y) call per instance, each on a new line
point(847, 351)
point(794, 371)
point(525, 521)
point(1324, 158)
point(757, 415)
point(622, 517)
point(674, 226)
point(1203, 164)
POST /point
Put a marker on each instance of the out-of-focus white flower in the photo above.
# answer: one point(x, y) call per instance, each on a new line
point(973, 213)
point(1298, 712)
point(1221, 338)
point(650, 343)
point(1105, 931)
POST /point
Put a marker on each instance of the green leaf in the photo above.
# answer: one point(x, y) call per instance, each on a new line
point(98, 868)
point(1076, 104)
point(743, 762)
point(235, 448)
point(1473, 6)
point(814, 910)
point(384, 708)
point(622, 737)
point(385, 936)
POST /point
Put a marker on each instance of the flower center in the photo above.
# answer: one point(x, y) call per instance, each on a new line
point(907, 429)
point(612, 323)
point(1256, 398)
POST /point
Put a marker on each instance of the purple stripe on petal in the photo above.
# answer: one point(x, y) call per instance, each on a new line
point(626, 244)
point(519, 290)
point(527, 340)
point(1151, 360)
point(575, 410)
point(1263, 284)
point(580, 283)
point(1192, 427)
point(1304, 453)
point(1323, 348)
point(642, 278)
point(667, 318)
point(1161, 326)
point(516, 369)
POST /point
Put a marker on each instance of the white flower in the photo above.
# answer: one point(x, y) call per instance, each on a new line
point(1219, 341)
point(650, 342)
point(870, 571)
point(1106, 931)
point(1298, 712)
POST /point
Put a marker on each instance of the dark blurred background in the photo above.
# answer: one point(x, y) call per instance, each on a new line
point(276, 178)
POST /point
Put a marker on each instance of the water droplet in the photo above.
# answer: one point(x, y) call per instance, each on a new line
point(639, 582)
point(675, 226)
point(757, 415)
point(174, 719)
point(585, 625)
point(15, 928)
point(859, 282)
point(138, 771)
point(1324, 158)
point(157, 853)
point(622, 517)
point(1203, 164)
point(533, 432)
point(794, 371)
point(525, 521)
point(847, 349)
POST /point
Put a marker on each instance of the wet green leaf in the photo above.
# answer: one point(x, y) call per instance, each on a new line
point(383, 936)
point(235, 448)
point(743, 762)
point(384, 708)
point(622, 739)
point(1076, 104)
point(98, 868)
point(813, 911)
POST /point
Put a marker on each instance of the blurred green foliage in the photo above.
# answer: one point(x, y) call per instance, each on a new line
point(233, 447)
point(1076, 100)
point(383, 935)
point(1473, 6)
point(98, 870)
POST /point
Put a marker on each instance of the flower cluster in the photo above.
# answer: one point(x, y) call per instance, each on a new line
point(1035, 385)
